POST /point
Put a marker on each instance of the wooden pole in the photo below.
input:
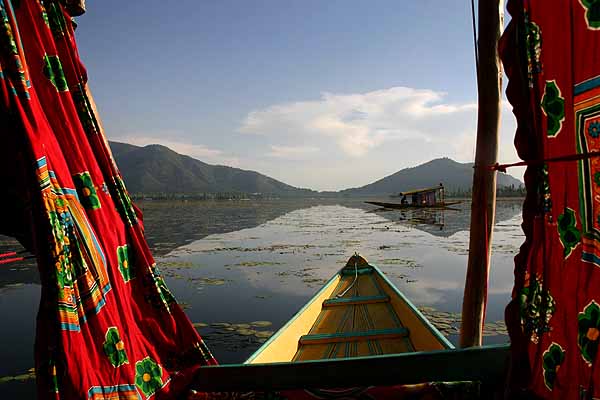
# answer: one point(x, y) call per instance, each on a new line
point(489, 85)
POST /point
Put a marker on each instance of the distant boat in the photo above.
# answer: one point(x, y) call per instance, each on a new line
point(408, 206)
point(432, 197)
point(358, 313)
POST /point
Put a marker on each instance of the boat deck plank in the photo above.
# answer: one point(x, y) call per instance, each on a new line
point(360, 322)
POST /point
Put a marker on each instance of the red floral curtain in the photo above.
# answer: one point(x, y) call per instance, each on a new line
point(107, 325)
point(550, 53)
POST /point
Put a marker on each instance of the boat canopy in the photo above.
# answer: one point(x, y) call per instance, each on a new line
point(419, 191)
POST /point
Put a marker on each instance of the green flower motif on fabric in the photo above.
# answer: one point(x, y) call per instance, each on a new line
point(53, 70)
point(148, 376)
point(84, 110)
point(125, 264)
point(588, 327)
point(533, 44)
point(86, 190)
point(592, 13)
point(114, 348)
point(123, 202)
point(552, 358)
point(553, 106)
point(567, 231)
point(597, 178)
point(537, 307)
point(56, 20)
point(165, 294)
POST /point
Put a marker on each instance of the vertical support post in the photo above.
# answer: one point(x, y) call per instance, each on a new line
point(489, 86)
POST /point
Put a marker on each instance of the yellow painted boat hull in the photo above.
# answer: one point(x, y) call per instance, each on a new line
point(358, 313)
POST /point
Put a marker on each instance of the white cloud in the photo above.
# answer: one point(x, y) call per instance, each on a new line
point(419, 124)
point(198, 151)
point(360, 122)
point(291, 152)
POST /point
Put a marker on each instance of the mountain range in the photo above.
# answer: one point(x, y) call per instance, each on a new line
point(158, 169)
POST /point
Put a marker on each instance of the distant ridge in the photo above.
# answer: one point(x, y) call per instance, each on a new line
point(456, 177)
point(158, 169)
point(154, 169)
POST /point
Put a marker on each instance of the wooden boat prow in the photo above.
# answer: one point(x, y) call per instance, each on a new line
point(357, 313)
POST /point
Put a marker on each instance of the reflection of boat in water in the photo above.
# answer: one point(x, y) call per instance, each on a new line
point(432, 197)
point(445, 222)
point(400, 206)
point(357, 313)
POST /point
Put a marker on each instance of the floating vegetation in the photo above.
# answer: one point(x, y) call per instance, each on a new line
point(505, 248)
point(264, 334)
point(220, 324)
point(209, 281)
point(14, 285)
point(199, 325)
point(403, 262)
point(177, 264)
point(314, 280)
point(257, 264)
point(273, 248)
point(30, 374)
point(238, 335)
point(261, 324)
point(449, 323)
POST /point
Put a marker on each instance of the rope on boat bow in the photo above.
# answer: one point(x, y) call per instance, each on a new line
point(355, 276)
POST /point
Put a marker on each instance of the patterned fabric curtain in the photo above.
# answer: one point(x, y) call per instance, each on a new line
point(550, 53)
point(107, 325)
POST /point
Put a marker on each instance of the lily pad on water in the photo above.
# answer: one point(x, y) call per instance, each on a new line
point(264, 334)
point(257, 264)
point(449, 323)
point(19, 378)
point(177, 264)
point(199, 325)
point(209, 281)
point(261, 324)
point(245, 332)
point(220, 324)
point(403, 262)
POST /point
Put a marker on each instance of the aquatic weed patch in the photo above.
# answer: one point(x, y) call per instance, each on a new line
point(256, 264)
point(401, 262)
point(449, 323)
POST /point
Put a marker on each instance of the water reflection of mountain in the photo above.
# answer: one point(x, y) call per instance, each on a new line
point(446, 223)
point(169, 225)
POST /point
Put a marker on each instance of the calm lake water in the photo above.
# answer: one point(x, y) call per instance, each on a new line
point(232, 263)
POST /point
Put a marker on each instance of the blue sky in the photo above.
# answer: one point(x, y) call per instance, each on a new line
point(325, 94)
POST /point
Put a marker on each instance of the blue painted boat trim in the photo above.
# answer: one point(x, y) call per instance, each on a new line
point(306, 339)
point(291, 321)
point(346, 271)
point(397, 356)
point(355, 300)
point(443, 340)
